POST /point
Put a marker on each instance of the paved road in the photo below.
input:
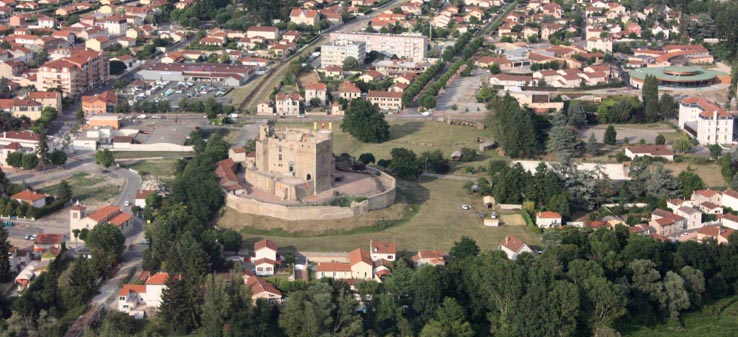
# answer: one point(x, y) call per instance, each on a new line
point(450, 177)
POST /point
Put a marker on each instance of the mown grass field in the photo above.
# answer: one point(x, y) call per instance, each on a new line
point(157, 168)
point(87, 187)
point(439, 222)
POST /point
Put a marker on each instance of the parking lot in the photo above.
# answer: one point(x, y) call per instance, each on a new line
point(175, 91)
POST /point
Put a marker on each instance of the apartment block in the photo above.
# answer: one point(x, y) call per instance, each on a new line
point(73, 75)
point(706, 121)
point(334, 53)
point(413, 47)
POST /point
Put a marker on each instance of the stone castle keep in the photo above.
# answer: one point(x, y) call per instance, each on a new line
point(291, 163)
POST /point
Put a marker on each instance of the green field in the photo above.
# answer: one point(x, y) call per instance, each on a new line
point(417, 136)
point(87, 187)
point(715, 320)
point(438, 223)
point(157, 167)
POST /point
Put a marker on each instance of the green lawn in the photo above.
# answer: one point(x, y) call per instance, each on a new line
point(438, 223)
point(87, 187)
point(146, 154)
point(716, 320)
point(158, 168)
point(417, 136)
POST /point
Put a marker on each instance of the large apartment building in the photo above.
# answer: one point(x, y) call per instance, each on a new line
point(706, 121)
point(334, 53)
point(73, 75)
point(412, 47)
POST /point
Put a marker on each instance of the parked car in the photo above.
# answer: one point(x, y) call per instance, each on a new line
point(465, 207)
point(127, 203)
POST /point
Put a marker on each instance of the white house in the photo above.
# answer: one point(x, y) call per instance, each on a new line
point(29, 197)
point(656, 151)
point(730, 221)
point(513, 247)
point(141, 196)
point(548, 219)
point(265, 257)
point(139, 299)
point(382, 250)
point(730, 199)
point(706, 121)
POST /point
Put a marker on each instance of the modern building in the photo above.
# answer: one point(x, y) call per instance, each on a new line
point(335, 52)
point(227, 74)
point(706, 121)
point(386, 100)
point(676, 76)
point(413, 47)
point(85, 69)
point(292, 163)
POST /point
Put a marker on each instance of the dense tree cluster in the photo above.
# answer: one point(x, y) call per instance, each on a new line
point(365, 122)
point(514, 128)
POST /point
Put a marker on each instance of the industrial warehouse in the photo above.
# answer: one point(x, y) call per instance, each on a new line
point(230, 75)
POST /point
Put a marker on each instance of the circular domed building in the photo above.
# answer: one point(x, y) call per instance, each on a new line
point(676, 76)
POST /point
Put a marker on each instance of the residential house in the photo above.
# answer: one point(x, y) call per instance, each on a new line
point(265, 257)
point(382, 250)
point(316, 91)
point(48, 242)
point(22, 107)
point(513, 247)
point(708, 195)
point(359, 267)
point(653, 151)
point(99, 104)
point(260, 289)
point(289, 104)
point(667, 223)
point(139, 299)
point(548, 219)
point(692, 215)
point(730, 199)
point(304, 16)
point(349, 91)
point(29, 197)
point(141, 195)
point(265, 32)
point(729, 220)
point(507, 80)
point(429, 257)
point(52, 99)
point(386, 100)
point(720, 235)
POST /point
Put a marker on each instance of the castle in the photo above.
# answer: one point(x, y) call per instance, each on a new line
point(291, 163)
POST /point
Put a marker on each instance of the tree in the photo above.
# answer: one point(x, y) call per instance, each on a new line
point(666, 106)
point(350, 63)
point(435, 161)
point(117, 67)
point(118, 324)
point(428, 102)
point(58, 157)
point(715, 151)
point(561, 142)
point(315, 101)
point(15, 159)
point(231, 240)
point(104, 158)
point(468, 154)
point(178, 310)
point(677, 298)
point(610, 135)
point(405, 164)
point(106, 244)
point(450, 321)
point(494, 68)
point(365, 122)
point(682, 143)
point(652, 111)
point(65, 191)
point(690, 182)
point(592, 147)
point(660, 140)
point(576, 115)
point(29, 161)
point(367, 158)
point(464, 248)
point(5, 273)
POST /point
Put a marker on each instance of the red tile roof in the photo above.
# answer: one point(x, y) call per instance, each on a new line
point(120, 218)
point(383, 247)
point(333, 267)
point(101, 214)
point(137, 288)
point(48, 239)
point(143, 194)
point(265, 243)
point(158, 278)
point(656, 150)
point(258, 285)
point(707, 107)
point(359, 255)
point(28, 195)
point(548, 215)
point(512, 243)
